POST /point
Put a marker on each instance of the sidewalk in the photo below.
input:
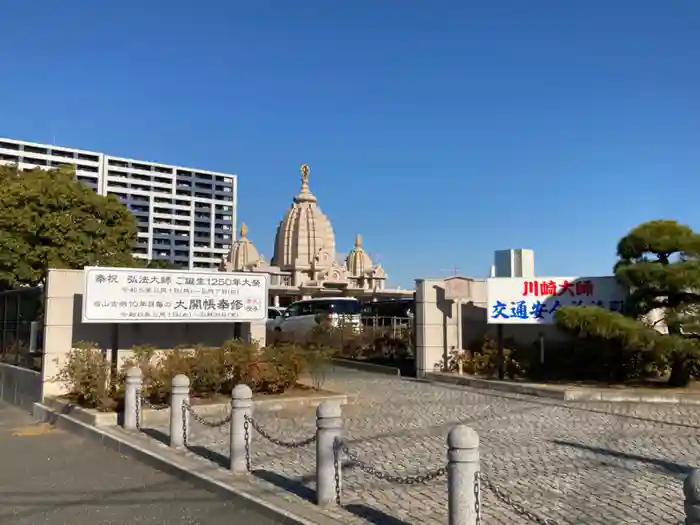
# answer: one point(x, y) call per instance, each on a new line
point(51, 477)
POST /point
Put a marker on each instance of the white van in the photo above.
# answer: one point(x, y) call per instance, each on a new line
point(303, 316)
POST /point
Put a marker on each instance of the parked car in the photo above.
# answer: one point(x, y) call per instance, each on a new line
point(274, 316)
point(401, 308)
point(303, 316)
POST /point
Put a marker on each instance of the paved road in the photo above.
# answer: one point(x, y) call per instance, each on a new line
point(572, 463)
point(49, 477)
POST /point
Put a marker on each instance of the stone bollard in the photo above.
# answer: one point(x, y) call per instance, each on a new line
point(462, 480)
point(691, 491)
point(329, 427)
point(180, 394)
point(132, 398)
point(241, 407)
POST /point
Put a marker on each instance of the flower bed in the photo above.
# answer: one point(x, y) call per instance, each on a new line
point(213, 371)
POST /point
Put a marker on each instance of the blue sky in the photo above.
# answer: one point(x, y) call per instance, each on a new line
point(439, 130)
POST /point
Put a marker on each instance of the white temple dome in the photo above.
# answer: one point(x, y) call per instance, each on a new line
point(243, 254)
point(305, 235)
point(358, 261)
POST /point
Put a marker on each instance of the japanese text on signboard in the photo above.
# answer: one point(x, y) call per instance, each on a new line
point(537, 300)
point(114, 295)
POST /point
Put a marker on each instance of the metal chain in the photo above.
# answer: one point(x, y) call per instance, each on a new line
point(392, 478)
point(517, 507)
point(477, 497)
point(337, 445)
point(212, 424)
point(279, 442)
point(145, 402)
point(184, 425)
point(137, 407)
point(246, 436)
point(141, 402)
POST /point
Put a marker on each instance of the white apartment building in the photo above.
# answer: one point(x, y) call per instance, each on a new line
point(184, 215)
point(513, 263)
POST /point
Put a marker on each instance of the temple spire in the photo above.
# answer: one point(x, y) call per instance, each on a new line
point(305, 193)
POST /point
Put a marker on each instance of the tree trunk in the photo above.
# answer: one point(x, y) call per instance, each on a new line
point(680, 375)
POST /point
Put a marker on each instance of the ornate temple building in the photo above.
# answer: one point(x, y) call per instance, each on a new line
point(304, 263)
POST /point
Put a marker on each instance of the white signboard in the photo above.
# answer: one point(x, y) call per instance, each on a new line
point(535, 300)
point(135, 295)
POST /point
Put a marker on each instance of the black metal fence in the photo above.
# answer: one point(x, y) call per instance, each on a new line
point(395, 327)
point(21, 326)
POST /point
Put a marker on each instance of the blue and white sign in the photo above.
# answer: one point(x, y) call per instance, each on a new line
point(534, 300)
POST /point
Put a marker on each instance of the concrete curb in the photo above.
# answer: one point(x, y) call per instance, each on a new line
point(94, 418)
point(366, 367)
point(564, 393)
point(199, 473)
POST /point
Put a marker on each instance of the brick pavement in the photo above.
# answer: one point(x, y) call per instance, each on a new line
point(570, 463)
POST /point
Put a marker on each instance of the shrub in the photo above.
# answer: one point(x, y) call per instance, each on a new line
point(86, 376)
point(212, 371)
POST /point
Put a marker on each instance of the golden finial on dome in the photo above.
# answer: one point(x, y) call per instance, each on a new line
point(358, 241)
point(305, 194)
point(244, 230)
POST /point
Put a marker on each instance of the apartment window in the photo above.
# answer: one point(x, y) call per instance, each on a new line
point(34, 149)
point(91, 158)
point(36, 162)
point(142, 167)
point(118, 163)
point(9, 145)
point(62, 153)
